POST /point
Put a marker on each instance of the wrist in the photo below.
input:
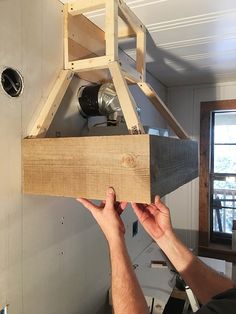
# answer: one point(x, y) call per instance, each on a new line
point(176, 251)
point(167, 237)
point(116, 241)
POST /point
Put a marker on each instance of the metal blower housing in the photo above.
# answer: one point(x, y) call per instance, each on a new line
point(99, 100)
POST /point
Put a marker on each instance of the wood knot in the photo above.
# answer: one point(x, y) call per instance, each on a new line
point(128, 160)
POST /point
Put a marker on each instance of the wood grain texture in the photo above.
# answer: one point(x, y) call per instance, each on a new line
point(65, 36)
point(204, 183)
point(173, 162)
point(79, 7)
point(87, 35)
point(138, 166)
point(111, 29)
point(141, 53)
point(51, 105)
point(85, 167)
point(129, 17)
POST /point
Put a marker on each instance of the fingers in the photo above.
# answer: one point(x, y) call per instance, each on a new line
point(102, 204)
point(86, 203)
point(123, 205)
point(110, 198)
point(120, 207)
point(161, 206)
point(137, 209)
point(152, 209)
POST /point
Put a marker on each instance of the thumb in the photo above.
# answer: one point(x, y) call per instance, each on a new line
point(110, 198)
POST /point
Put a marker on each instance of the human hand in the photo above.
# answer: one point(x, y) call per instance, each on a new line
point(107, 215)
point(155, 218)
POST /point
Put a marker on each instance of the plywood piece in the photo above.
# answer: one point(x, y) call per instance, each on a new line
point(78, 52)
point(85, 33)
point(163, 110)
point(96, 76)
point(126, 32)
point(50, 107)
point(138, 167)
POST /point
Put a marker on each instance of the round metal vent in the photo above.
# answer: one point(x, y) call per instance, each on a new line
point(12, 82)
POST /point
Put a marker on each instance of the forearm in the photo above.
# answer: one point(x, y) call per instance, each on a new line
point(204, 281)
point(127, 295)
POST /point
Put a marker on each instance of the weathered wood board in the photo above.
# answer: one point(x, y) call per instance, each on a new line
point(137, 166)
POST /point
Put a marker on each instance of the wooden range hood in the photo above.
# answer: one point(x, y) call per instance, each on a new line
point(138, 165)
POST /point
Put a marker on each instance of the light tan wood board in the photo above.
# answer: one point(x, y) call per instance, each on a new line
point(52, 104)
point(137, 166)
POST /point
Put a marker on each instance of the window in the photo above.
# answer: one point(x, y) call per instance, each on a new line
point(222, 175)
point(217, 189)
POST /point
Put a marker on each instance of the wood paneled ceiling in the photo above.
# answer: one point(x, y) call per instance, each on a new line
point(190, 42)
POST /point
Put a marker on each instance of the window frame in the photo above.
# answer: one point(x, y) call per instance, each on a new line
point(216, 237)
point(206, 246)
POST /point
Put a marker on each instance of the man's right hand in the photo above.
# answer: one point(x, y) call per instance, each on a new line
point(155, 218)
point(107, 215)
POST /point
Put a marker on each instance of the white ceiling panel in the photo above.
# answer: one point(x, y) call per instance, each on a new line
point(190, 41)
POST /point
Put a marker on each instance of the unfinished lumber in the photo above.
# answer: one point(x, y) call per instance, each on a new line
point(132, 21)
point(141, 53)
point(79, 48)
point(127, 102)
point(86, 46)
point(96, 63)
point(65, 36)
point(79, 7)
point(163, 110)
point(111, 33)
point(138, 167)
point(126, 32)
point(129, 17)
point(87, 35)
point(51, 105)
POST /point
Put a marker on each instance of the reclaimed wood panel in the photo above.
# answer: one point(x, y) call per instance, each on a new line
point(137, 166)
point(173, 163)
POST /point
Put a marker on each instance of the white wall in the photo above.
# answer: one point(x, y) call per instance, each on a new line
point(53, 257)
point(10, 163)
point(184, 103)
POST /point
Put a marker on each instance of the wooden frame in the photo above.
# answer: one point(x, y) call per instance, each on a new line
point(134, 165)
point(107, 41)
point(84, 47)
point(101, 51)
point(206, 248)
